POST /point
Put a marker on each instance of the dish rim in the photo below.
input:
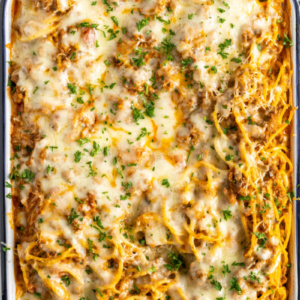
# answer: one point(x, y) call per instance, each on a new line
point(7, 273)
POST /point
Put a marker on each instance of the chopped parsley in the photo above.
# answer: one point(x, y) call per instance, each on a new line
point(115, 20)
point(142, 23)
point(175, 262)
point(83, 141)
point(227, 43)
point(78, 155)
point(66, 280)
point(234, 286)
point(137, 114)
point(227, 214)
point(287, 42)
point(262, 238)
point(236, 60)
point(72, 88)
point(165, 182)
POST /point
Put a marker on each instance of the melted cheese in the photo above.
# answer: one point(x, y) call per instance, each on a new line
point(140, 116)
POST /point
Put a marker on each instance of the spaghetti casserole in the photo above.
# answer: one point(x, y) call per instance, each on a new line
point(150, 149)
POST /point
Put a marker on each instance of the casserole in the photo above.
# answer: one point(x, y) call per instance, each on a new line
point(165, 183)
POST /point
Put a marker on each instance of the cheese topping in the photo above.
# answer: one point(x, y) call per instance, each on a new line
point(150, 149)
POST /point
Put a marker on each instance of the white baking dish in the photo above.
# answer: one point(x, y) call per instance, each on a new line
point(8, 290)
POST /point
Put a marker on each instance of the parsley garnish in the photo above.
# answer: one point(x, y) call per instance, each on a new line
point(115, 20)
point(228, 157)
point(262, 238)
point(238, 264)
point(74, 215)
point(216, 284)
point(287, 42)
point(175, 262)
point(37, 294)
point(223, 46)
point(137, 114)
point(227, 214)
point(138, 61)
point(186, 62)
point(66, 279)
point(236, 60)
point(96, 149)
point(192, 148)
point(235, 286)
point(83, 141)
point(165, 182)
point(150, 110)
point(105, 151)
point(142, 23)
point(78, 155)
point(72, 88)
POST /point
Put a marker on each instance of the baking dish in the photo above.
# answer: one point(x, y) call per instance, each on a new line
point(8, 284)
